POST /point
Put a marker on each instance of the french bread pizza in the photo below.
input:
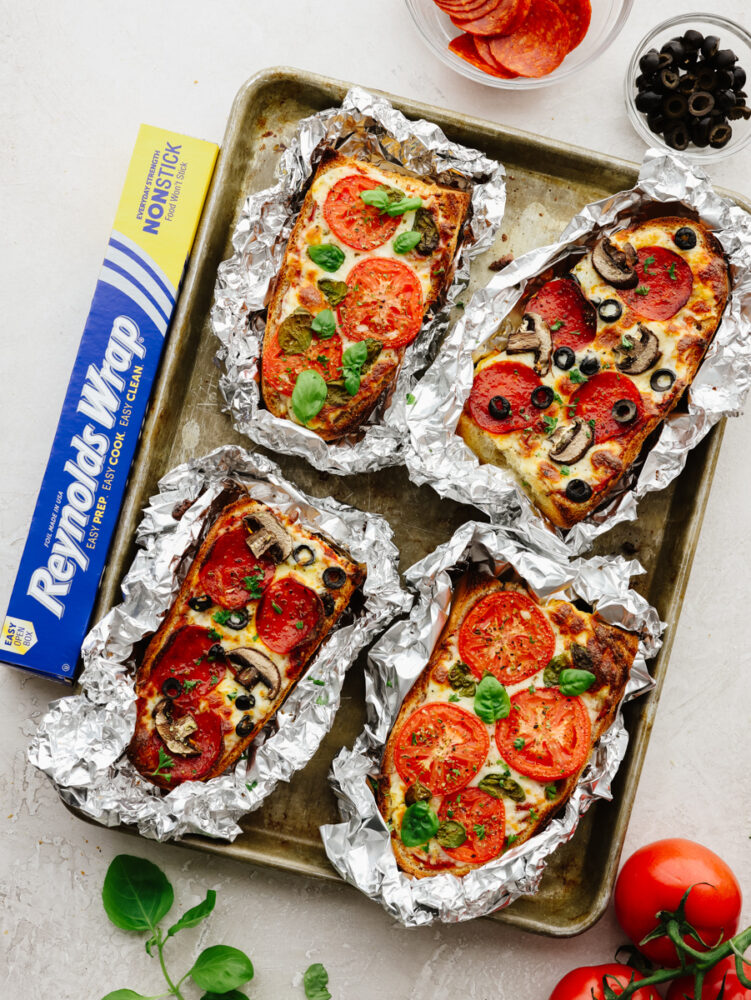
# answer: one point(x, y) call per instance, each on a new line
point(596, 356)
point(371, 251)
point(260, 596)
point(492, 737)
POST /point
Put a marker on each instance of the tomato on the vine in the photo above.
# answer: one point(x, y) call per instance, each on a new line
point(585, 983)
point(656, 878)
point(683, 988)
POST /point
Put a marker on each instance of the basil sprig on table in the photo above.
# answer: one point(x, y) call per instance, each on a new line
point(390, 201)
point(491, 700)
point(327, 256)
point(419, 824)
point(315, 980)
point(308, 395)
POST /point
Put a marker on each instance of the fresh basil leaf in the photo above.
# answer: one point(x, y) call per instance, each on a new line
point(221, 968)
point(553, 670)
point(324, 324)
point(491, 700)
point(419, 824)
point(405, 242)
point(335, 291)
point(309, 395)
point(451, 834)
point(232, 995)
point(194, 916)
point(462, 680)
point(327, 256)
point(403, 205)
point(126, 995)
point(352, 381)
point(425, 225)
point(572, 682)
point(315, 980)
point(382, 197)
point(356, 354)
point(136, 893)
point(294, 334)
point(498, 785)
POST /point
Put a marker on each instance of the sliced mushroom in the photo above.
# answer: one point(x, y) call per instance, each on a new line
point(616, 266)
point(176, 733)
point(642, 355)
point(533, 335)
point(267, 535)
point(571, 443)
point(256, 667)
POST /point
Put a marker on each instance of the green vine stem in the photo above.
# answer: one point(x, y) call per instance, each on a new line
point(174, 989)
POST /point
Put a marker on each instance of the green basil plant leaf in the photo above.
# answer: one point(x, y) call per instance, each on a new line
point(324, 324)
point(136, 893)
point(572, 682)
point(491, 700)
point(419, 824)
point(390, 201)
point(125, 995)
point(232, 995)
point(327, 256)
point(194, 916)
point(309, 395)
point(315, 980)
point(356, 354)
point(405, 242)
point(221, 968)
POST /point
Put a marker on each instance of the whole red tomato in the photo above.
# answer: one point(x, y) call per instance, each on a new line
point(683, 988)
point(580, 983)
point(656, 877)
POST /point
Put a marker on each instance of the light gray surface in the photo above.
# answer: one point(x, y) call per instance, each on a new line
point(77, 80)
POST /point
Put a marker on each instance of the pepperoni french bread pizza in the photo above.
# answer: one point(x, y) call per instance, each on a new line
point(371, 251)
point(260, 596)
point(594, 361)
point(491, 739)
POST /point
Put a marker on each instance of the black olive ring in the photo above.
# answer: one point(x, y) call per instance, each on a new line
point(662, 379)
point(624, 410)
point(542, 397)
point(499, 408)
point(334, 577)
point(172, 688)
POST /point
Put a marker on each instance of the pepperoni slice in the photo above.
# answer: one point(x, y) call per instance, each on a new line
point(280, 370)
point(538, 46)
point(467, 48)
point(507, 634)
point(665, 284)
point(186, 660)
point(384, 301)
point(287, 614)
point(595, 401)
point(571, 318)
point(503, 19)
point(168, 769)
point(484, 819)
point(578, 13)
point(546, 735)
point(467, 8)
point(228, 564)
point(442, 746)
point(360, 226)
point(511, 381)
point(482, 46)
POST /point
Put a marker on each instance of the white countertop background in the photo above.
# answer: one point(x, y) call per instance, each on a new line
point(77, 80)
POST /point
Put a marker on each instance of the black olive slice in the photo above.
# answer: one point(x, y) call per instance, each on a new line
point(675, 49)
point(699, 131)
point(677, 136)
point(329, 604)
point(685, 238)
point(648, 100)
point(610, 310)
point(564, 358)
point(710, 46)
point(656, 122)
point(705, 79)
point(245, 726)
point(739, 78)
point(542, 397)
point(692, 40)
point(589, 366)
point(236, 619)
point(725, 59)
point(624, 410)
point(245, 702)
point(216, 652)
point(334, 577)
point(499, 408)
point(662, 379)
point(649, 63)
point(700, 103)
point(304, 555)
point(669, 79)
point(687, 83)
point(578, 491)
point(720, 136)
point(674, 106)
point(572, 277)
point(172, 687)
point(200, 603)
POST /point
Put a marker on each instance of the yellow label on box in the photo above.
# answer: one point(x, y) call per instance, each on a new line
point(17, 636)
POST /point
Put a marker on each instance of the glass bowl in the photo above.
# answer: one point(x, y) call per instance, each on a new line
point(731, 36)
point(437, 30)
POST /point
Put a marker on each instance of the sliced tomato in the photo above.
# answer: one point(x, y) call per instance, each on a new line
point(585, 983)
point(230, 562)
point(360, 226)
point(509, 380)
point(175, 769)
point(186, 659)
point(484, 819)
point(538, 46)
point(468, 49)
point(596, 399)
point(546, 735)
point(384, 301)
point(571, 318)
point(665, 284)
point(507, 634)
point(504, 18)
point(578, 13)
point(280, 370)
point(287, 614)
point(442, 746)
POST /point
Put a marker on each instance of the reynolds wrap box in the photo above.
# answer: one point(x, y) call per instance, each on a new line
point(82, 490)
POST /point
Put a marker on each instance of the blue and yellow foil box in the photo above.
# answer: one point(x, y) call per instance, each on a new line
point(84, 483)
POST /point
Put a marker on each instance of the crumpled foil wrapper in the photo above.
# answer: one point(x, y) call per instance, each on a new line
point(81, 739)
point(437, 455)
point(366, 126)
point(360, 848)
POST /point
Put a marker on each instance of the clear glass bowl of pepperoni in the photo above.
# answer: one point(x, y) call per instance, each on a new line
point(686, 87)
point(518, 44)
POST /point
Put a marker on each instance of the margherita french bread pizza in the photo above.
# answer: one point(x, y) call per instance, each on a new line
point(260, 596)
point(491, 739)
point(371, 251)
point(594, 360)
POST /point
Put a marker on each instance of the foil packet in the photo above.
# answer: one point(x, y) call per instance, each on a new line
point(81, 741)
point(365, 126)
point(360, 847)
point(437, 455)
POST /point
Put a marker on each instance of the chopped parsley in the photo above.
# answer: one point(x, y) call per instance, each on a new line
point(549, 423)
point(550, 792)
point(557, 325)
point(251, 785)
point(576, 376)
point(647, 263)
point(318, 681)
point(220, 617)
point(165, 765)
point(626, 342)
point(454, 697)
point(410, 399)
point(213, 634)
point(479, 831)
point(671, 272)
point(565, 471)
point(642, 290)
point(276, 607)
point(299, 626)
point(512, 838)
point(251, 584)
point(518, 743)
point(189, 685)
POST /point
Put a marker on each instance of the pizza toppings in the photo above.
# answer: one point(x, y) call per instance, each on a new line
point(303, 555)
point(542, 397)
point(282, 369)
point(202, 603)
point(425, 225)
point(685, 238)
point(546, 735)
point(334, 577)
point(168, 768)
point(662, 380)
point(512, 382)
point(231, 574)
point(187, 662)
point(564, 358)
point(357, 224)
point(287, 614)
point(482, 820)
point(267, 536)
point(577, 491)
point(570, 317)
point(615, 265)
point(256, 668)
point(638, 354)
point(571, 443)
point(624, 411)
point(532, 335)
point(441, 746)
point(384, 302)
point(596, 400)
point(664, 284)
point(610, 310)
point(236, 619)
point(174, 732)
point(508, 635)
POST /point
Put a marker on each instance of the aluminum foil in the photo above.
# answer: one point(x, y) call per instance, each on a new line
point(359, 847)
point(365, 126)
point(81, 739)
point(435, 454)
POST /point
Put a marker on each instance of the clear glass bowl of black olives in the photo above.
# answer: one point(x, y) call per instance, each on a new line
point(686, 87)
